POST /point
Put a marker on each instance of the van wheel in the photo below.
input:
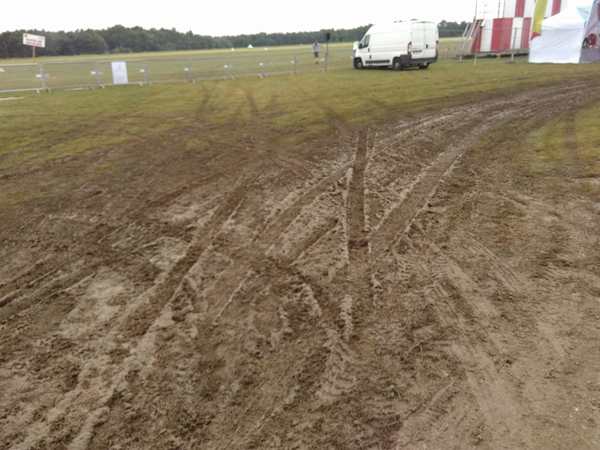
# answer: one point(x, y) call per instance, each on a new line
point(358, 64)
point(424, 66)
point(397, 64)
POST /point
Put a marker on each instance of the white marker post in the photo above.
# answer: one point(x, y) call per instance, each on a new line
point(34, 41)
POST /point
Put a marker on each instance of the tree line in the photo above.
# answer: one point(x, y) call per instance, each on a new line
point(120, 39)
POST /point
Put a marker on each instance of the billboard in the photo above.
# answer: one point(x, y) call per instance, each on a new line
point(33, 40)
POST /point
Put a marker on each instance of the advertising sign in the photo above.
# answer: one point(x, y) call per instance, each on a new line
point(119, 72)
point(34, 41)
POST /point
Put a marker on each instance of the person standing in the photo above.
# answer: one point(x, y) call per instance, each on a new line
point(316, 51)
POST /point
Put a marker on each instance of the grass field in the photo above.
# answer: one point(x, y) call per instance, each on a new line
point(448, 47)
point(181, 54)
point(160, 67)
point(293, 107)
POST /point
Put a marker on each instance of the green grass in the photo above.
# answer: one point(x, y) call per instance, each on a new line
point(571, 142)
point(289, 109)
point(180, 54)
point(161, 67)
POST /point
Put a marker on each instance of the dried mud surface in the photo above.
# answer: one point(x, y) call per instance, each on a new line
point(406, 287)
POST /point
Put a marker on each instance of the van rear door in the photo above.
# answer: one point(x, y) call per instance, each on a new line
point(432, 38)
point(417, 39)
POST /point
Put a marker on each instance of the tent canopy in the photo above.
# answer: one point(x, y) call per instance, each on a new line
point(562, 35)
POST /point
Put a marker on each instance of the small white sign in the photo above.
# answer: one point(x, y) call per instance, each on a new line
point(119, 72)
point(33, 40)
point(2, 70)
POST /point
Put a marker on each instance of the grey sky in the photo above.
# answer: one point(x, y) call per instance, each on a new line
point(223, 17)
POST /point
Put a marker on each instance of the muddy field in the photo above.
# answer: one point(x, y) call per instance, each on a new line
point(410, 286)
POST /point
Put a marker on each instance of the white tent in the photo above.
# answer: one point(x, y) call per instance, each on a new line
point(568, 37)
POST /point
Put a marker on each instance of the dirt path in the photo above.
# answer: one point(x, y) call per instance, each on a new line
point(410, 287)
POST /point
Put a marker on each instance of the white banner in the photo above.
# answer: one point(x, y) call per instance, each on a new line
point(34, 41)
point(119, 72)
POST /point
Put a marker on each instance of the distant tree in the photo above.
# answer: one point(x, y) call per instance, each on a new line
point(452, 29)
point(87, 42)
point(60, 44)
point(120, 39)
point(11, 45)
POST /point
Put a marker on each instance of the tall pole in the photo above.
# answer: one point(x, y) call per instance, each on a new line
point(43, 78)
point(327, 39)
point(97, 74)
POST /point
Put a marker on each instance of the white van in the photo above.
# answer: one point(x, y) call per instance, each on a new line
point(398, 45)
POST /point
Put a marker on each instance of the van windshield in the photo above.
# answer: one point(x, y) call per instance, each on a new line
point(365, 41)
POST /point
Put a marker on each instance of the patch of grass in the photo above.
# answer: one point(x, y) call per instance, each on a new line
point(588, 139)
point(566, 145)
point(547, 146)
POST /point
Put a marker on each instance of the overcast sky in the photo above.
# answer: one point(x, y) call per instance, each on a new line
point(223, 17)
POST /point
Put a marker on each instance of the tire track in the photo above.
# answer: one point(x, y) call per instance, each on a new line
point(139, 324)
point(359, 275)
point(208, 95)
point(254, 257)
point(339, 374)
point(495, 394)
point(357, 226)
point(486, 355)
point(338, 380)
point(572, 147)
point(414, 199)
point(25, 286)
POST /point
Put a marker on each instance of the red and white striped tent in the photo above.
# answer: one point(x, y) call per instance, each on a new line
point(507, 29)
